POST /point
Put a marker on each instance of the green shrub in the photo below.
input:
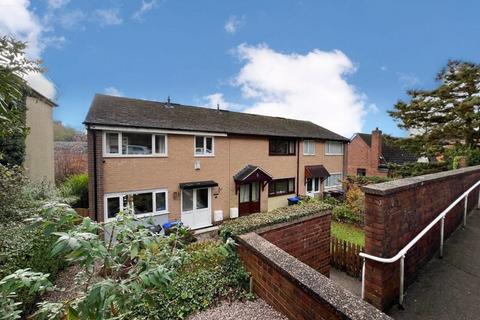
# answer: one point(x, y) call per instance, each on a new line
point(241, 225)
point(331, 201)
point(364, 180)
point(76, 186)
point(343, 213)
point(12, 181)
point(453, 155)
point(417, 169)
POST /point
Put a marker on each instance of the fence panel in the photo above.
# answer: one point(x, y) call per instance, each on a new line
point(345, 256)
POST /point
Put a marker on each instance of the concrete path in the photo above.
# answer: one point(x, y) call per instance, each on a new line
point(351, 284)
point(448, 288)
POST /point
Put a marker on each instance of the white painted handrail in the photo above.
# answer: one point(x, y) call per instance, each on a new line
point(401, 254)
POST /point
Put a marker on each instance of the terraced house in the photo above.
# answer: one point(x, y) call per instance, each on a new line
point(200, 165)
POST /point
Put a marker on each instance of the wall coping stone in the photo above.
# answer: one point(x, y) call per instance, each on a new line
point(386, 188)
point(292, 222)
point(346, 304)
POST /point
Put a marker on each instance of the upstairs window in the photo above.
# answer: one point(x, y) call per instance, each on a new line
point(309, 147)
point(278, 147)
point(203, 146)
point(135, 144)
point(281, 186)
point(334, 148)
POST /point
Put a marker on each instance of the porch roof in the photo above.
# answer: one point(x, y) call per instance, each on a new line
point(198, 184)
point(317, 171)
point(251, 173)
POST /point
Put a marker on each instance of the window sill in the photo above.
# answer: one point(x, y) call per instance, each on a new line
point(309, 154)
point(135, 156)
point(334, 154)
point(204, 155)
point(281, 155)
point(144, 215)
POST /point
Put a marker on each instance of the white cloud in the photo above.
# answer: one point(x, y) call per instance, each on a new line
point(383, 68)
point(108, 17)
point(113, 91)
point(408, 80)
point(56, 4)
point(307, 87)
point(144, 8)
point(18, 21)
point(71, 19)
point(217, 99)
point(233, 23)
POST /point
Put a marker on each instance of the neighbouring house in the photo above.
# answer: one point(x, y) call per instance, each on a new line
point(39, 161)
point(201, 165)
point(370, 154)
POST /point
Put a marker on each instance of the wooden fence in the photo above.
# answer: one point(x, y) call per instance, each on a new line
point(345, 256)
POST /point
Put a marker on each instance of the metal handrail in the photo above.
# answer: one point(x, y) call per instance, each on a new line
point(401, 254)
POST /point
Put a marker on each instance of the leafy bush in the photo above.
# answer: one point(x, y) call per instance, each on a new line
point(343, 213)
point(355, 200)
point(417, 169)
point(453, 156)
point(24, 245)
point(12, 180)
point(255, 221)
point(76, 186)
point(364, 180)
point(137, 274)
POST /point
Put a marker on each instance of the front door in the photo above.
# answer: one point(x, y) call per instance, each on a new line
point(196, 208)
point(249, 198)
point(312, 186)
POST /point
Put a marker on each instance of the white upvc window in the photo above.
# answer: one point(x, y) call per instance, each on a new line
point(142, 203)
point(312, 185)
point(203, 146)
point(134, 144)
point(309, 147)
point(334, 180)
point(334, 148)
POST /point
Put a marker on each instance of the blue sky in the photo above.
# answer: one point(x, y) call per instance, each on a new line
point(341, 64)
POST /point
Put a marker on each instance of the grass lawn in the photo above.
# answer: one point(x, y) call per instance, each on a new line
point(348, 232)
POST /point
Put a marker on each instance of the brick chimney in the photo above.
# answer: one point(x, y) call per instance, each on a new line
point(376, 147)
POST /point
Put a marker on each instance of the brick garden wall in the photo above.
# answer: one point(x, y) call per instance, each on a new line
point(395, 212)
point(292, 286)
point(307, 240)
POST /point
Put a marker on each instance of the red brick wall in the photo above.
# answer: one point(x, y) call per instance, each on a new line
point(308, 241)
point(360, 155)
point(395, 212)
point(290, 285)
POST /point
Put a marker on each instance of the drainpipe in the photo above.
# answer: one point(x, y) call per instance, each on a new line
point(95, 190)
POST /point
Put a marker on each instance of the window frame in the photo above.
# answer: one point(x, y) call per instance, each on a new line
point(204, 154)
point(120, 154)
point(313, 185)
point(309, 142)
point(327, 143)
point(194, 200)
point(363, 171)
point(294, 141)
point(336, 185)
point(275, 193)
point(120, 196)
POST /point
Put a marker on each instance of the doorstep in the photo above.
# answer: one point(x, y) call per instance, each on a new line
point(205, 230)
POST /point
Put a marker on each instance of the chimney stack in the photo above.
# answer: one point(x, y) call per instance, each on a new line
point(376, 148)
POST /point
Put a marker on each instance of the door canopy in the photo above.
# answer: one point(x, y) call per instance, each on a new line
point(251, 174)
point(317, 171)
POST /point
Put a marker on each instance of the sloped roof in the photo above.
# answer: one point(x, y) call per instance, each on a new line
point(248, 170)
point(119, 111)
point(391, 153)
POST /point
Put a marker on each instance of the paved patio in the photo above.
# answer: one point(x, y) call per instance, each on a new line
point(448, 288)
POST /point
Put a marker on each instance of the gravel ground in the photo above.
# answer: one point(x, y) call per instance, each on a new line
point(65, 288)
point(249, 310)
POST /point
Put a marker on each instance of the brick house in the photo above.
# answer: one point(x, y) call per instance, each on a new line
point(198, 165)
point(370, 154)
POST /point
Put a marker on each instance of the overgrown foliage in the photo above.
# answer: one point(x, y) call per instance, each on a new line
point(28, 245)
point(255, 221)
point(76, 186)
point(446, 115)
point(454, 154)
point(136, 274)
point(352, 181)
point(13, 67)
point(416, 169)
point(355, 201)
point(342, 213)
point(63, 132)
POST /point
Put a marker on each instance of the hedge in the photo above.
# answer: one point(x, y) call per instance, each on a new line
point(232, 228)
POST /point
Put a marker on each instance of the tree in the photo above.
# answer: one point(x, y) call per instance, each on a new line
point(13, 67)
point(62, 132)
point(446, 115)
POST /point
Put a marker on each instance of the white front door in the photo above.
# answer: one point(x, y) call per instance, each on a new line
point(312, 186)
point(197, 208)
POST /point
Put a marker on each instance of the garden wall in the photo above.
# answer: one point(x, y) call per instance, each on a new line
point(294, 287)
point(396, 211)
